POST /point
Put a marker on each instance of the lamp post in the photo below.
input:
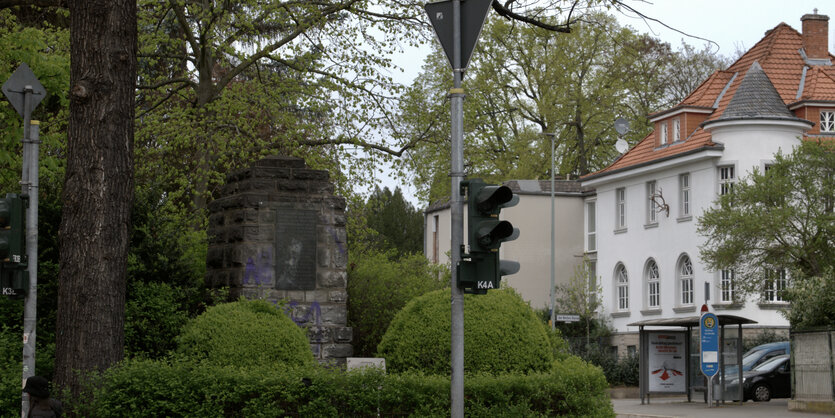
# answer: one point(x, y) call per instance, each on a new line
point(553, 281)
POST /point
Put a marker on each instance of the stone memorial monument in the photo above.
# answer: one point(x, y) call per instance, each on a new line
point(277, 233)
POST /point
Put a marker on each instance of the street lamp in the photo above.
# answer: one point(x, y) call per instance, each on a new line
point(553, 295)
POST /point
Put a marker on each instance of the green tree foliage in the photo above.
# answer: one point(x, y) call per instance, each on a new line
point(582, 295)
point(379, 286)
point(154, 316)
point(813, 302)
point(397, 223)
point(782, 218)
point(524, 82)
point(245, 333)
point(44, 47)
point(501, 334)
point(222, 84)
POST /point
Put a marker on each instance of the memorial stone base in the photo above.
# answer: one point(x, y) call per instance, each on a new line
point(277, 233)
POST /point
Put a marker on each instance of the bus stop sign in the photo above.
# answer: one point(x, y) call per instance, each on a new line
point(709, 338)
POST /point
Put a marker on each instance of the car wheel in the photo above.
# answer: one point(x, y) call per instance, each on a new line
point(761, 393)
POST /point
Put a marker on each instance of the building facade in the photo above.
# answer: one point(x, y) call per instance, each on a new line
point(643, 218)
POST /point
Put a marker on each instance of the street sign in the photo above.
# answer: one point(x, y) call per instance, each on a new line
point(709, 337)
point(14, 86)
point(568, 318)
point(473, 14)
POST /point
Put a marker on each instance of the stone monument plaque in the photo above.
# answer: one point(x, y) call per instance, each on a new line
point(295, 249)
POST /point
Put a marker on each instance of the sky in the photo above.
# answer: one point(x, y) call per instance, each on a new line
point(731, 24)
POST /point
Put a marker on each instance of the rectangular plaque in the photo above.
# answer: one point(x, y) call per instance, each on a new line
point(295, 249)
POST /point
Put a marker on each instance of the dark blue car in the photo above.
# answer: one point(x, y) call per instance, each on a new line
point(770, 379)
point(759, 355)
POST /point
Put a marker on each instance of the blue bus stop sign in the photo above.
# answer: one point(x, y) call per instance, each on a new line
point(709, 338)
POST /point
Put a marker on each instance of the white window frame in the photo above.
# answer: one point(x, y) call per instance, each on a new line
point(727, 178)
point(727, 286)
point(676, 130)
point(591, 269)
point(435, 233)
point(776, 282)
point(652, 206)
point(591, 226)
point(620, 208)
point(653, 280)
point(684, 195)
point(663, 127)
point(827, 121)
point(686, 296)
point(621, 288)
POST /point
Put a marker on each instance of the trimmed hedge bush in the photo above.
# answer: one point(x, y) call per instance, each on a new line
point(501, 334)
point(245, 333)
point(141, 388)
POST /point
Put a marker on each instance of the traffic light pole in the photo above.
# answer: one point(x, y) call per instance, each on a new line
point(29, 187)
point(457, 215)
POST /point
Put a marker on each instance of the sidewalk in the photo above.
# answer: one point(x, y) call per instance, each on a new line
point(679, 407)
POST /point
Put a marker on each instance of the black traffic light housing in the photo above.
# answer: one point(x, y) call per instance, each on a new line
point(480, 269)
point(14, 279)
point(14, 282)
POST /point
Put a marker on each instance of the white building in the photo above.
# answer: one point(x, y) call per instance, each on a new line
point(532, 249)
point(643, 216)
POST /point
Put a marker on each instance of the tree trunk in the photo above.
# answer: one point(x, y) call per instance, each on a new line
point(98, 190)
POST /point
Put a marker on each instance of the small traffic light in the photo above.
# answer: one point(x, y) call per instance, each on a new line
point(14, 282)
point(481, 269)
point(12, 232)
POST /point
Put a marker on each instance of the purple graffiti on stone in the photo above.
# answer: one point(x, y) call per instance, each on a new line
point(260, 272)
point(340, 245)
point(304, 315)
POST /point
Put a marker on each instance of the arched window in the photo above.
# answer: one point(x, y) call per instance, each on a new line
point(653, 285)
point(685, 280)
point(622, 287)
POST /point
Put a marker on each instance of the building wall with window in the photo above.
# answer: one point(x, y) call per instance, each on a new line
point(650, 266)
point(647, 259)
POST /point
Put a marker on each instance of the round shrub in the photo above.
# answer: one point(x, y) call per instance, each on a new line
point(501, 334)
point(245, 333)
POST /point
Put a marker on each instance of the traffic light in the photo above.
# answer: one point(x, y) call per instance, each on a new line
point(14, 279)
point(12, 233)
point(481, 269)
point(14, 282)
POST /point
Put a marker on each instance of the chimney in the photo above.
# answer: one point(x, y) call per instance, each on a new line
point(816, 35)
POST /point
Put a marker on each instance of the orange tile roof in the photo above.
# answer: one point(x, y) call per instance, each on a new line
point(778, 52)
point(820, 85)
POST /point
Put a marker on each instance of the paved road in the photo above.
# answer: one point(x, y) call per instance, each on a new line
point(679, 407)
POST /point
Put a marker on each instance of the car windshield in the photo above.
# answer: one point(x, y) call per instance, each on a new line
point(751, 357)
point(770, 364)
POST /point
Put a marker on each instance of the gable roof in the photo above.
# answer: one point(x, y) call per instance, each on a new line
point(761, 84)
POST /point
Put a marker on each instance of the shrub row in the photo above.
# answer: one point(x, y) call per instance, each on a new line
point(141, 388)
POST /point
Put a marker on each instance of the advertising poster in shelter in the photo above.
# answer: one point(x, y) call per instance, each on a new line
point(667, 362)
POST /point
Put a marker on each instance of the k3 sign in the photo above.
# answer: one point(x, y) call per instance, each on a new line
point(709, 338)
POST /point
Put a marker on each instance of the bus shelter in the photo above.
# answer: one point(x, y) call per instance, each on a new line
point(669, 358)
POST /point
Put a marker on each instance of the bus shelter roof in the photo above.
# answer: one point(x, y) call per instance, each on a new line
point(691, 321)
